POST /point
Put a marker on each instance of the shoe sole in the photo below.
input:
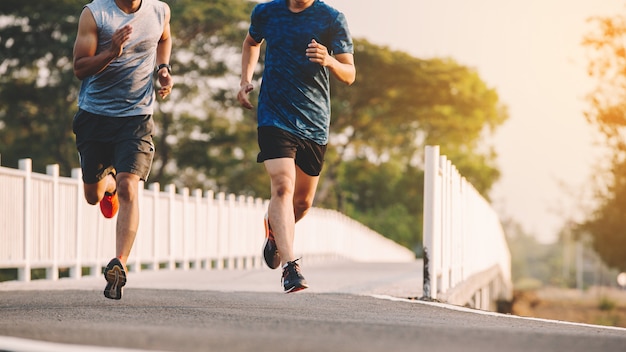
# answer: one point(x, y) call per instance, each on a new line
point(271, 259)
point(297, 288)
point(116, 279)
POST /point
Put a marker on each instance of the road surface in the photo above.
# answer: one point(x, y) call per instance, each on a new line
point(349, 307)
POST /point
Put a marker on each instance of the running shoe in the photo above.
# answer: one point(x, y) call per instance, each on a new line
point(270, 251)
point(109, 205)
point(115, 275)
point(292, 280)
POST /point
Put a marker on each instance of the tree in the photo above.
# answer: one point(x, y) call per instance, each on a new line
point(607, 64)
point(380, 125)
point(205, 140)
point(37, 85)
point(533, 263)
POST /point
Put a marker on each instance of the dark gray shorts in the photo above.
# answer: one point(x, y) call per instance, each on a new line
point(277, 143)
point(113, 144)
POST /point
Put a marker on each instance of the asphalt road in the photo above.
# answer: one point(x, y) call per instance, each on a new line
point(349, 307)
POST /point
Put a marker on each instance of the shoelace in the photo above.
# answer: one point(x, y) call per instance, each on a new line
point(294, 265)
point(293, 262)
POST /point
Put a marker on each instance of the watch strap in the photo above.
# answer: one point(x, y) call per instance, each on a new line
point(169, 68)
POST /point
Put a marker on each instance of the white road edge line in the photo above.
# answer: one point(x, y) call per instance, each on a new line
point(16, 344)
point(495, 314)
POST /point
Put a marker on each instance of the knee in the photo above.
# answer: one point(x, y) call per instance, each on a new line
point(301, 207)
point(126, 189)
point(282, 187)
point(91, 192)
point(92, 198)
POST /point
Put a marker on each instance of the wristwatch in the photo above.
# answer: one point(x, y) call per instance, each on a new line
point(169, 68)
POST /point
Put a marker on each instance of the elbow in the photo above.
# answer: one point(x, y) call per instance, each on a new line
point(349, 80)
point(351, 76)
point(79, 75)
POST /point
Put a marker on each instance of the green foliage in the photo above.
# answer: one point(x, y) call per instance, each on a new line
point(532, 263)
point(607, 64)
point(606, 304)
point(204, 140)
point(399, 104)
point(607, 224)
point(37, 86)
point(380, 125)
point(386, 197)
point(8, 274)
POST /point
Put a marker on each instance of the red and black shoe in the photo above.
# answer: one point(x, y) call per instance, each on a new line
point(270, 251)
point(109, 205)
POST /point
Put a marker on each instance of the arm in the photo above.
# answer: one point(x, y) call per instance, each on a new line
point(250, 52)
point(341, 65)
point(86, 62)
point(164, 51)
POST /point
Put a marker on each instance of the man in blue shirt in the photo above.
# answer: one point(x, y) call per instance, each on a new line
point(306, 42)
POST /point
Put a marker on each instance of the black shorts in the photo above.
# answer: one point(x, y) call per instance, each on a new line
point(277, 143)
point(113, 144)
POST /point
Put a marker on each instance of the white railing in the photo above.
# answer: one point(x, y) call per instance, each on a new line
point(466, 256)
point(47, 224)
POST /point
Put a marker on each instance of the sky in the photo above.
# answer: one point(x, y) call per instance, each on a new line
point(530, 52)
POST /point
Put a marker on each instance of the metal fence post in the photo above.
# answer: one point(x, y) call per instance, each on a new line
point(430, 221)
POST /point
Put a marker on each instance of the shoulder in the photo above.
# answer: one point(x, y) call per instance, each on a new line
point(158, 4)
point(323, 7)
point(323, 10)
point(158, 7)
point(162, 4)
point(95, 11)
point(164, 7)
point(266, 8)
point(95, 6)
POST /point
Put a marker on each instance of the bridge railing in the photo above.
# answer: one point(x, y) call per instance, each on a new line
point(47, 224)
point(466, 256)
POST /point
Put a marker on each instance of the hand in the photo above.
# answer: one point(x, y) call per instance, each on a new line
point(316, 52)
point(119, 38)
point(242, 96)
point(166, 82)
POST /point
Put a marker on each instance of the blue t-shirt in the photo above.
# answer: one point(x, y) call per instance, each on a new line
point(295, 93)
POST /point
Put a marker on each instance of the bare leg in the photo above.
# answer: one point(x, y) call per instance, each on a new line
point(128, 216)
point(126, 185)
point(94, 192)
point(304, 193)
point(282, 174)
point(292, 195)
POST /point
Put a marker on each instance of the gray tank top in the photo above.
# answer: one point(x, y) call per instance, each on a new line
point(125, 87)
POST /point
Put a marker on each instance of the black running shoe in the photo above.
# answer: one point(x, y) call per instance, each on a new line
point(293, 280)
point(115, 275)
point(270, 251)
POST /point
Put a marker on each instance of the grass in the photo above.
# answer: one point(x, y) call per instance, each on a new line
point(598, 306)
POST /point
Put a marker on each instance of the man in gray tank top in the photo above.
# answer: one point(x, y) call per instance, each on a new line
point(119, 46)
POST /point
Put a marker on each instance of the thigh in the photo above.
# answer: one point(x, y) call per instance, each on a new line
point(305, 187)
point(275, 143)
point(310, 157)
point(94, 151)
point(134, 148)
